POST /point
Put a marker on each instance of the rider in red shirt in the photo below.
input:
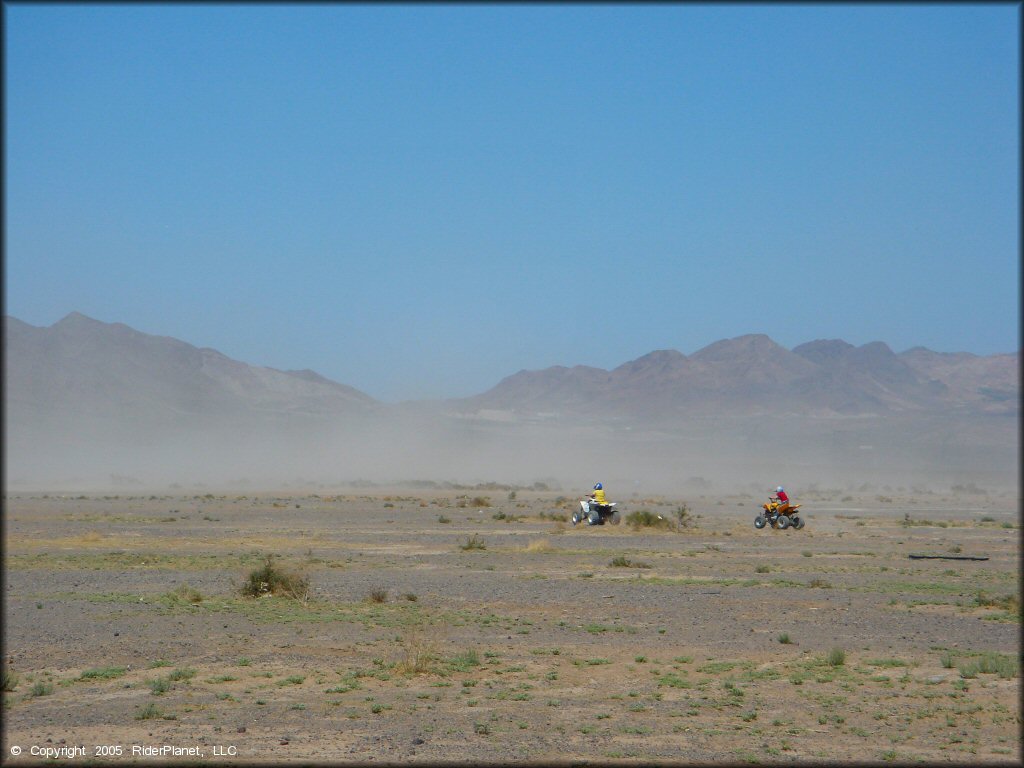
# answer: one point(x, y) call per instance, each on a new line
point(783, 500)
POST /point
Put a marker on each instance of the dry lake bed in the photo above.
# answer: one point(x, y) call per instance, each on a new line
point(452, 625)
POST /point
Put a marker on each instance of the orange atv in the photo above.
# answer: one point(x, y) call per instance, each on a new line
point(770, 516)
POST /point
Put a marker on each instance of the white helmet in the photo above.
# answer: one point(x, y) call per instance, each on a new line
point(779, 489)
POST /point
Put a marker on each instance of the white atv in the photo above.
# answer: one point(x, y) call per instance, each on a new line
point(596, 514)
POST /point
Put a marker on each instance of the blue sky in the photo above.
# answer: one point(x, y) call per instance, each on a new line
point(421, 200)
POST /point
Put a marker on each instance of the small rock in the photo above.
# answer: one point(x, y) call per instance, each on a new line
point(241, 729)
point(418, 741)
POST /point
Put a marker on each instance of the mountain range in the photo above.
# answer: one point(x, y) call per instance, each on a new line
point(83, 397)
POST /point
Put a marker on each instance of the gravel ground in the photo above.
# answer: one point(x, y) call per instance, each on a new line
point(707, 643)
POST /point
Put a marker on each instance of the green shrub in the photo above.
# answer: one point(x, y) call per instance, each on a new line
point(11, 680)
point(784, 639)
point(41, 689)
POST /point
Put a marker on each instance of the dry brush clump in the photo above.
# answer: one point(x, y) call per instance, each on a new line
point(644, 518)
point(270, 579)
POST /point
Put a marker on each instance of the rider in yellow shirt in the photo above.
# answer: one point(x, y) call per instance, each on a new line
point(595, 498)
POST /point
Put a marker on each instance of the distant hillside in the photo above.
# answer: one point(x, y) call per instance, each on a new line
point(83, 366)
point(752, 375)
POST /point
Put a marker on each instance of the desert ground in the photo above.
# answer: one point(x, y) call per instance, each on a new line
point(477, 625)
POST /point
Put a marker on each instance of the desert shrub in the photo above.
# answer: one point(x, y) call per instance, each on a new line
point(419, 651)
point(269, 579)
point(473, 542)
point(624, 562)
point(819, 584)
point(181, 673)
point(683, 517)
point(149, 712)
point(644, 518)
point(443, 519)
point(11, 680)
point(377, 595)
point(41, 689)
point(762, 569)
point(410, 597)
point(159, 686)
point(480, 501)
point(836, 657)
point(784, 639)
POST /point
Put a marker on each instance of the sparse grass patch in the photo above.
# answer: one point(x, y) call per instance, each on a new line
point(464, 661)
point(762, 569)
point(473, 542)
point(184, 594)
point(784, 639)
point(151, 712)
point(1009, 603)
point(1006, 667)
point(102, 673)
point(11, 680)
point(540, 546)
point(159, 686)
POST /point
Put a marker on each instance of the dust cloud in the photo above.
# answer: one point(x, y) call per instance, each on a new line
point(70, 452)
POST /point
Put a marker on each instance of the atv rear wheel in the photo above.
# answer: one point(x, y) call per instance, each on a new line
point(783, 522)
point(615, 518)
point(798, 523)
point(760, 522)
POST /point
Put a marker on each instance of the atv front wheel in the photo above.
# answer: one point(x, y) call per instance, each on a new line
point(615, 519)
point(783, 522)
point(759, 522)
